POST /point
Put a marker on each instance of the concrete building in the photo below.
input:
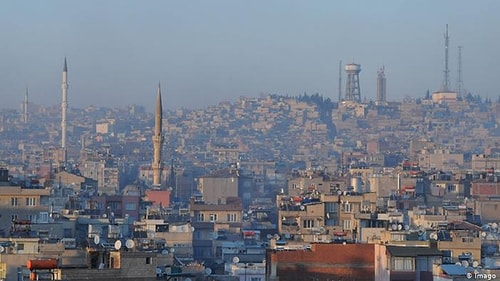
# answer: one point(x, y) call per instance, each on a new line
point(405, 263)
point(322, 262)
point(106, 173)
point(482, 163)
point(20, 206)
point(118, 206)
point(217, 187)
point(214, 223)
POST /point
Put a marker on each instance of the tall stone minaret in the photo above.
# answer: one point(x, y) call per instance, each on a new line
point(157, 165)
point(25, 106)
point(64, 108)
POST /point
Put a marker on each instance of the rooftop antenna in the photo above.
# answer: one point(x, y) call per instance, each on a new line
point(446, 72)
point(460, 83)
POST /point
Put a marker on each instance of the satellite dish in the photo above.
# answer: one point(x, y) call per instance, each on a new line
point(302, 207)
point(407, 227)
point(118, 244)
point(236, 260)
point(433, 236)
point(130, 244)
point(97, 239)
point(208, 271)
point(483, 234)
point(174, 228)
point(172, 250)
point(192, 228)
point(394, 226)
point(475, 264)
point(2, 249)
point(164, 252)
point(465, 263)
point(269, 236)
point(400, 227)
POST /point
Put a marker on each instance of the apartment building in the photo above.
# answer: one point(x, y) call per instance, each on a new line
point(213, 224)
point(20, 206)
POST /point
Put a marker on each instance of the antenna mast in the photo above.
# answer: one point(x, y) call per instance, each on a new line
point(446, 79)
point(340, 81)
point(460, 83)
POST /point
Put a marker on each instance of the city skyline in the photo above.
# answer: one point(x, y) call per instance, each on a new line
point(204, 52)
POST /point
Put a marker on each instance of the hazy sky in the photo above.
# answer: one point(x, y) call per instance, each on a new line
point(204, 52)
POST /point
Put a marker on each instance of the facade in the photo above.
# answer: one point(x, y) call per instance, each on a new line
point(68, 179)
point(322, 262)
point(21, 206)
point(119, 206)
point(146, 174)
point(213, 224)
point(159, 198)
point(218, 187)
point(482, 163)
point(444, 97)
point(107, 175)
point(405, 262)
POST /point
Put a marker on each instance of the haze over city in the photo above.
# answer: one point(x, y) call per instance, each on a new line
point(204, 52)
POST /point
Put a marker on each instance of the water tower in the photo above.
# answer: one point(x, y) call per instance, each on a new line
point(352, 90)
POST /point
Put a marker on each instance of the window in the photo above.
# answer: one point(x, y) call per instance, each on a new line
point(130, 207)
point(20, 246)
point(200, 217)
point(331, 207)
point(149, 260)
point(365, 206)
point(14, 201)
point(397, 237)
point(114, 205)
point(213, 217)
point(347, 208)
point(452, 188)
point(346, 224)
point(403, 264)
point(308, 223)
point(467, 239)
point(31, 201)
point(13, 217)
point(32, 218)
point(255, 279)
point(231, 217)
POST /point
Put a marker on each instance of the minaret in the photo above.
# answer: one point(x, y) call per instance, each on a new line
point(381, 86)
point(157, 141)
point(25, 106)
point(64, 108)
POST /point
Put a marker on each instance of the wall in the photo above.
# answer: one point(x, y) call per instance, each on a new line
point(323, 262)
